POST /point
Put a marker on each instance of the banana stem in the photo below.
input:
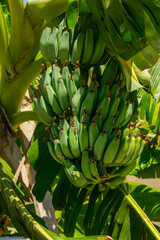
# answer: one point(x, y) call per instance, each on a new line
point(141, 213)
point(21, 117)
point(14, 91)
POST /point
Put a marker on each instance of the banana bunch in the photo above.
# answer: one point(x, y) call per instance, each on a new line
point(99, 143)
point(73, 46)
point(55, 93)
point(136, 25)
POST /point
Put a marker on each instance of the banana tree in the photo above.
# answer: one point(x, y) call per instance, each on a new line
point(100, 53)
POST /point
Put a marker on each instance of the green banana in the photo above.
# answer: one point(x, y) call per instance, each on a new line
point(66, 76)
point(55, 76)
point(54, 130)
point(60, 29)
point(88, 46)
point(44, 42)
point(122, 151)
point(98, 119)
point(49, 94)
point(98, 51)
point(136, 131)
point(128, 114)
point(83, 137)
point(108, 125)
point(89, 102)
point(132, 160)
point(85, 166)
point(94, 87)
point(41, 114)
point(103, 92)
point(62, 94)
point(94, 170)
point(45, 79)
point(85, 118)
point(115, 132)
point(77, 100)
point(114, 90)
point(121, 114)
point(130, 151)
point(74, 174)
point(126, 132)
point(74, 121)
point(104, 107)
point(53, 45)
point(74, 141)
point(113, 106)
point(53, 154)
point(58, 151)
point(64, 47)
point(123, 171)
point(77, 48)
point(110, 72)
point(52, 137)
point(45, 109)
point(79, 77)
point(64, 124)
point(72, 89)
point(64, 142)
point(111, 150)
point(93, 133)
point(100, 145)
point(73, 35)
point(143, 143)
point(97, 74)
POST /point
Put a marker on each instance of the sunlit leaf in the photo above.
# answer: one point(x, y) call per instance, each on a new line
point(72, 13)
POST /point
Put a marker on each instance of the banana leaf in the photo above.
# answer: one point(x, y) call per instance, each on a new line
point(5, 8)
point(40, 10)
point(41, 160)
point(113, 215)
point(72, 13)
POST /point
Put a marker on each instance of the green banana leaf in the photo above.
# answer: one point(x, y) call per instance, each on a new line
point(72, 13)
point(6, 12)
point(41, 160)
point(111, 214)
point(154, 71)
point(40, 10)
